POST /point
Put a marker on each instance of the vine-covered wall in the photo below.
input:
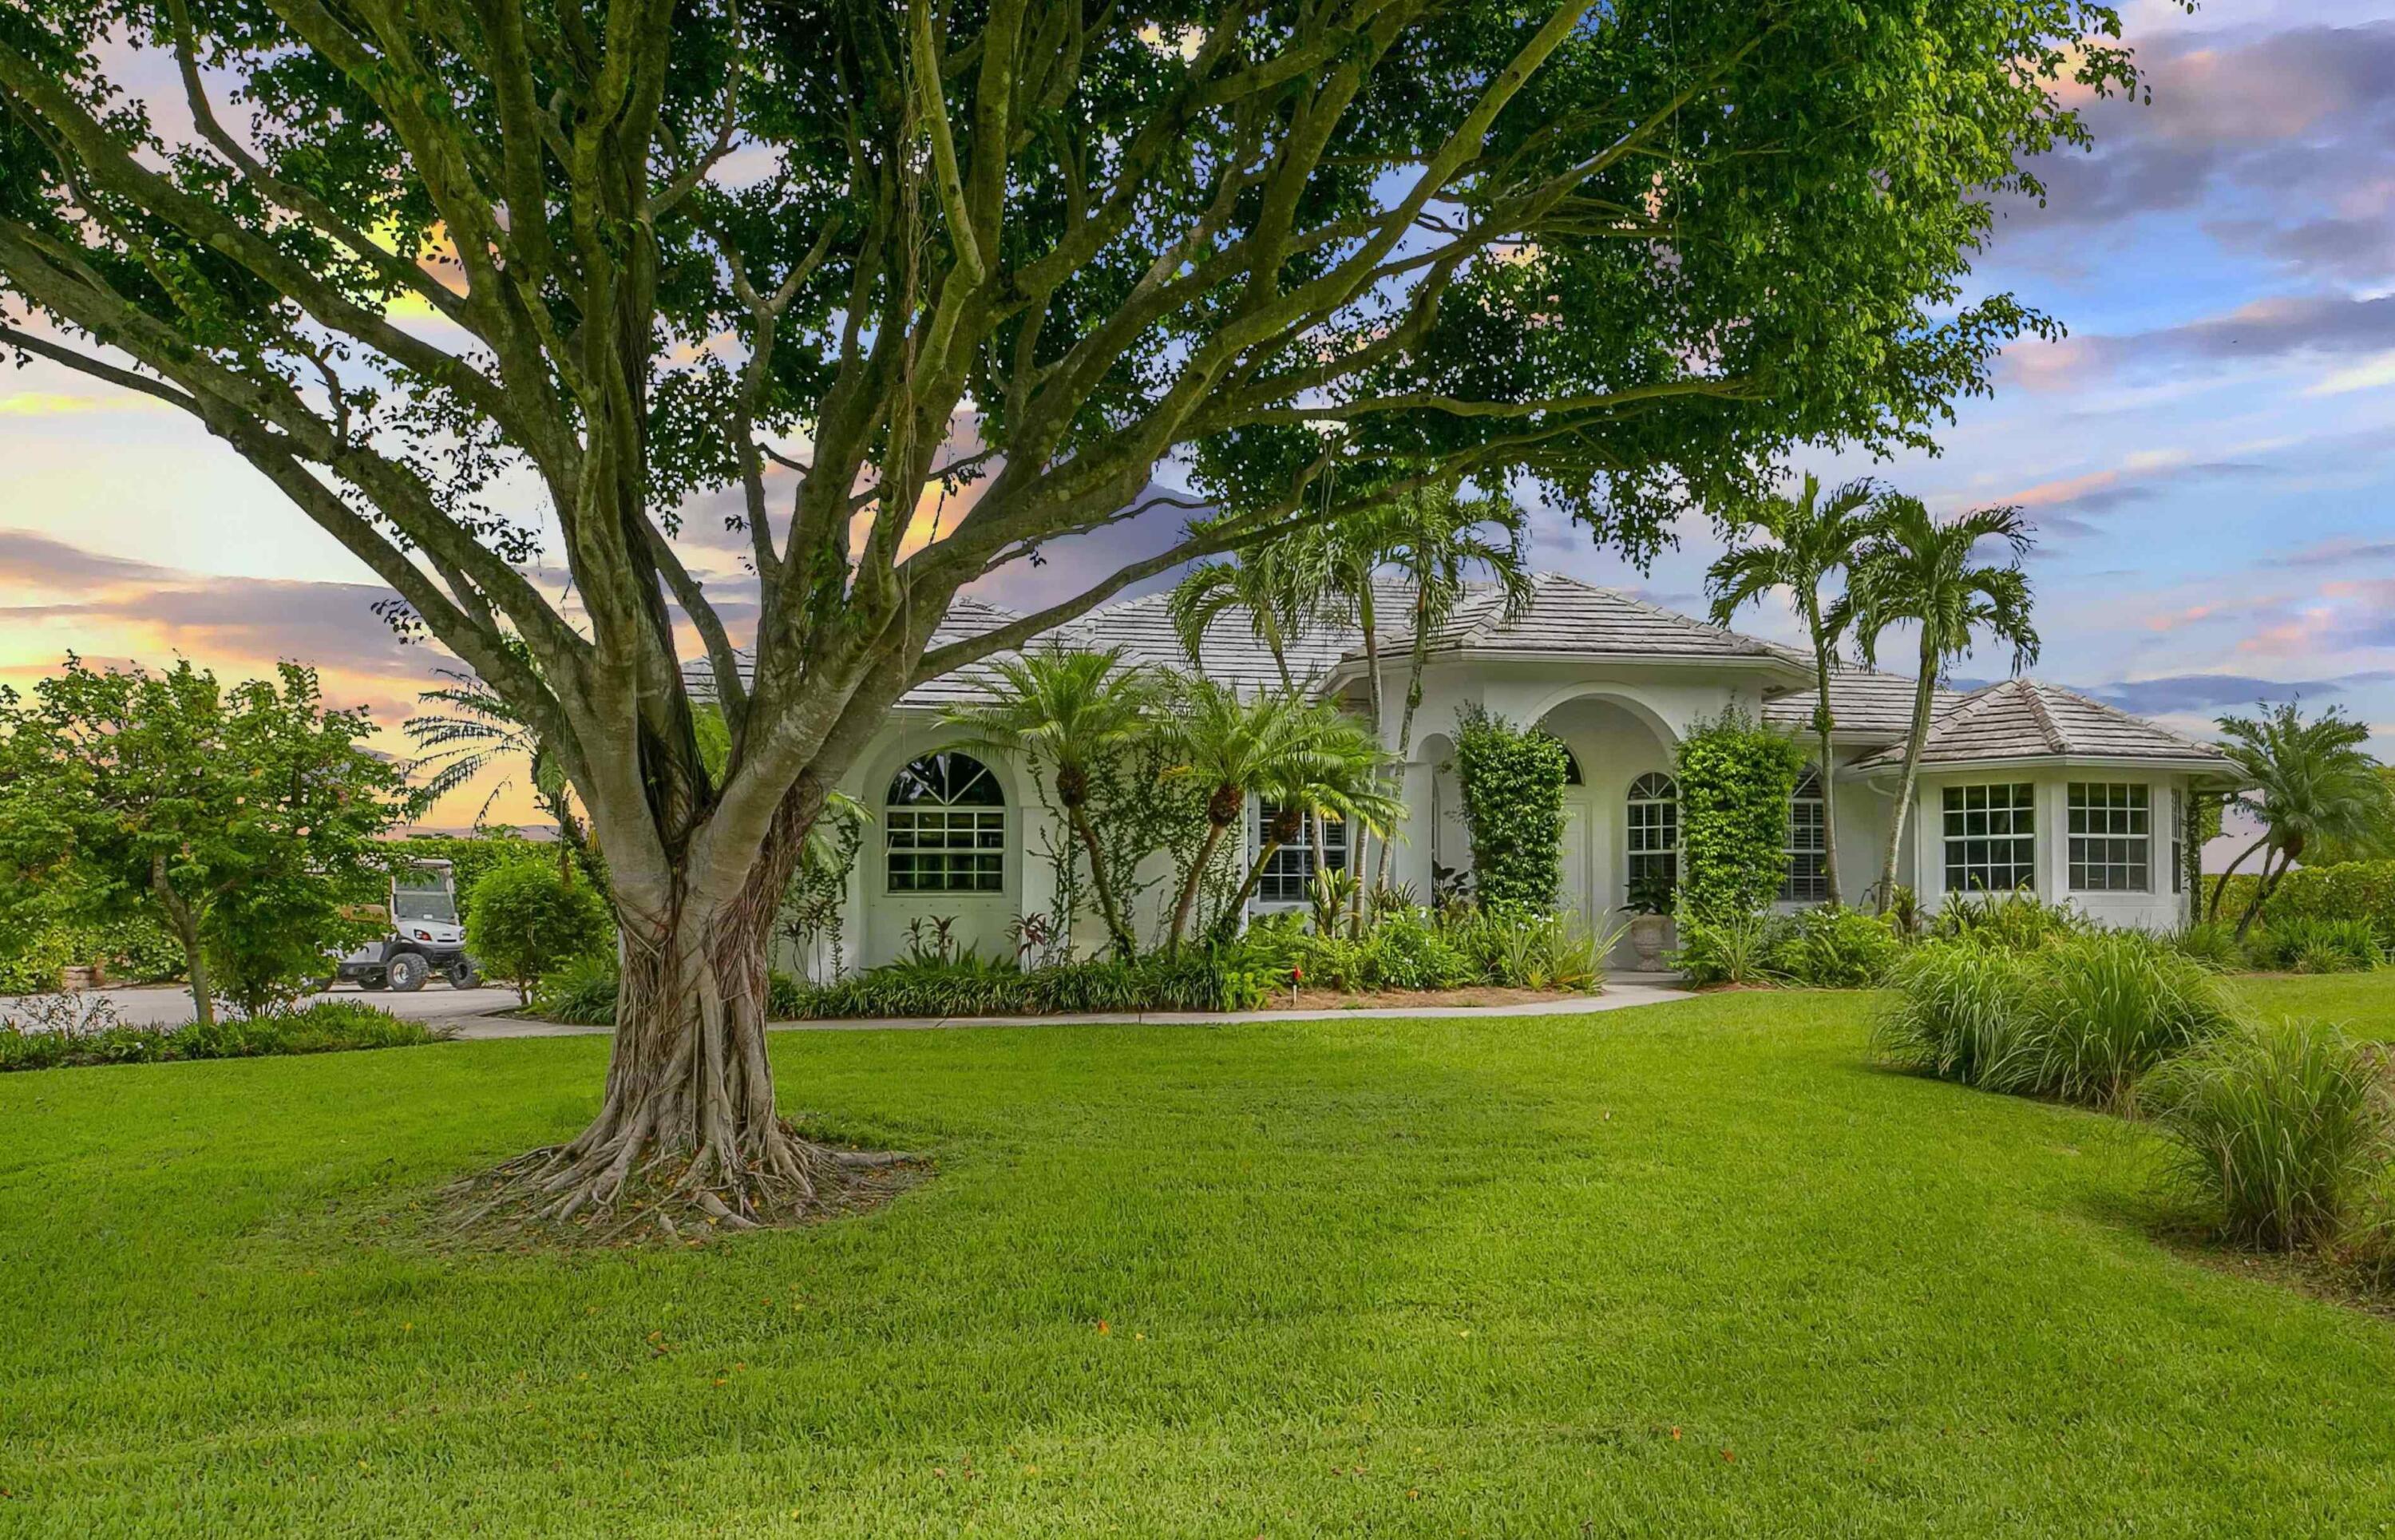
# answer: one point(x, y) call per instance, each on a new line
point(1512, 783)
point(1736, 777)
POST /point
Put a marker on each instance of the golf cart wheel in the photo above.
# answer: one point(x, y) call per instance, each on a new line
point(465, 975)
point(408, 973)
point(373, 981)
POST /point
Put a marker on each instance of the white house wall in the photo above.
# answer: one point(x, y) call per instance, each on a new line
point(2157, 910)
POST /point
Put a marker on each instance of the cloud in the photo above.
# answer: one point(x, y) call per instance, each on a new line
point(2058, 506)
point(2199, 692)
point(2340, 550)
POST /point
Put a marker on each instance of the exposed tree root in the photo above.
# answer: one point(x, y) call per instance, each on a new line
point(622, 1191)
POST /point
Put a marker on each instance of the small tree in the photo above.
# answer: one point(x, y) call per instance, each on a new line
point(236, 819)
point(1512, 783)
point(2308, 780)
point(1735, 778)
point(526, 920)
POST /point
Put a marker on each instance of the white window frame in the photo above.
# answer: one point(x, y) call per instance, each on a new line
point(1807, 836)
point(1294, 860)
point(1968, 858)
point(983, 826)
point(2110, 826)
point(1651, 828)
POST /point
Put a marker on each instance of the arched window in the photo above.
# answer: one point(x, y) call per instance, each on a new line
point(943, 824)
point(1808, 873)
point(1571, 768)
point(1654, 828)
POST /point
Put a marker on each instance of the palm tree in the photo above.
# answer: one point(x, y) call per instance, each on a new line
point(1435, 538)
point(1918, 569)
point(2311, 783)
point(1306, 755)
point(1804, 542)
point(1334, 768)
point(480, 732)
point(1066, 712)
point(1268, 584)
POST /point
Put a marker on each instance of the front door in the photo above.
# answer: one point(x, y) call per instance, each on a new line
point(1578, 894)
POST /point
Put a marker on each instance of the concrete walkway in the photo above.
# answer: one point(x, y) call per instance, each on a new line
point(1621, 990)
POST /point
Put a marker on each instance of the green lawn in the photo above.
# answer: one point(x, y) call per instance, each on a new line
point(1698, 1266)
point(2364, 1003)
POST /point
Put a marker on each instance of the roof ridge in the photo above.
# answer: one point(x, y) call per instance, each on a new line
point(1752, 644)
point(2056, 739)
point(2145, 722)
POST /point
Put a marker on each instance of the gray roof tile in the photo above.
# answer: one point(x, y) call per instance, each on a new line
point(2025, 719)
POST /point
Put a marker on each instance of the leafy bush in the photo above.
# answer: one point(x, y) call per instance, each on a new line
point(2107, 1007)
point(1835, 949)
point(1512, 784)
point(2212, 944)
point(581, 992)
point(526, 922)
point(2314, 945)
point(1724, 949)
point(2017, 921)
point(132, 950)
point(1406, 951)
point(1514, 948)
point(2277, 1126)
point(47, 1033)
point(1961, 1015)
point(1735, 778)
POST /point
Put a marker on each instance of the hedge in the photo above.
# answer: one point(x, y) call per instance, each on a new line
point(1735, 778)
point(1512, 783)
point(2351, 890)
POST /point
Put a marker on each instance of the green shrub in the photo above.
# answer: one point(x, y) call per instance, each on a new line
point(526, 922)
point(1406, 951)
point(48, 1034)
point(2017, 921)
point(2106, 1007)
point(2314, 945)
point(580, 993)
point(784, 996)
point(1735, 778)
point(1512, 784)
point(1515, 948)
point(1725, 949)
point(1961, 1013)
point(2212, 944)
point(2349, 890)
point(1835, 949)
point(2277, 1127)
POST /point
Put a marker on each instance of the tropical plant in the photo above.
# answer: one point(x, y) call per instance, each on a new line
point(1066, 712)
point(1831, 948)
point(234, 819)
point(2277, 1126)
point(1734, 777)
point(1921, 570)
point(1800, 544)
point(884, 249)
point(1725, 947)
point(2306, 780)
point(474, 732)
point(1273, 588)
point(1329, 767)
point(1512, 783)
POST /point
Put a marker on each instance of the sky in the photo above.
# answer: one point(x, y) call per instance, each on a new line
point(2208, 454)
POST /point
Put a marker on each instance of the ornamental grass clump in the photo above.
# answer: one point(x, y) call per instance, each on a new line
point(2106, 1007)
point(2279, 1127)
point(1961, 1013)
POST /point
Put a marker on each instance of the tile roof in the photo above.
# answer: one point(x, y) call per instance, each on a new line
point(1865, 702)
point(2025, 719)
point(1566, 616)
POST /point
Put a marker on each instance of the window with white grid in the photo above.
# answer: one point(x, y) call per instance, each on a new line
point(1654, 827)
point(1808, 871)
point(944, 826)
point(2112, 837)
point(1990, 838)
point(1289, 876)
point(2178, 840)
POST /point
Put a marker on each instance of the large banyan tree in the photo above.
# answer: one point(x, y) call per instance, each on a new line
point(819, 259)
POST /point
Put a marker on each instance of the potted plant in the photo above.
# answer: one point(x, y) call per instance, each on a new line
point(1650, 913)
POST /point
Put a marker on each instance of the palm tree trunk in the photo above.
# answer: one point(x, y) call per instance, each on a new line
point(1187, 903)
point(1824, 724)
point(1227, 926)
point(1375, 702)
point(1922, 693)
point(1118, 932)
point(2263, 889)
point(2220, 889)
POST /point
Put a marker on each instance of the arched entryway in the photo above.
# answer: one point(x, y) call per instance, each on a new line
point(1621, 814)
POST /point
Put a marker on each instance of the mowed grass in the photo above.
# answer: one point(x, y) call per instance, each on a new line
point(1692, 1267)
point(2361, 1003)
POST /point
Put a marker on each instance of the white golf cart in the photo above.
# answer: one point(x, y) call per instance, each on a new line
point(425, 938)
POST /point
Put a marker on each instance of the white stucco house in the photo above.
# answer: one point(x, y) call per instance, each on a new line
point(2022, 783)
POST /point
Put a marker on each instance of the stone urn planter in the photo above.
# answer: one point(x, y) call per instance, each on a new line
point(1648, 934)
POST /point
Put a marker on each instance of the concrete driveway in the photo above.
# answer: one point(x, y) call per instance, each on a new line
point(163, 1005)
